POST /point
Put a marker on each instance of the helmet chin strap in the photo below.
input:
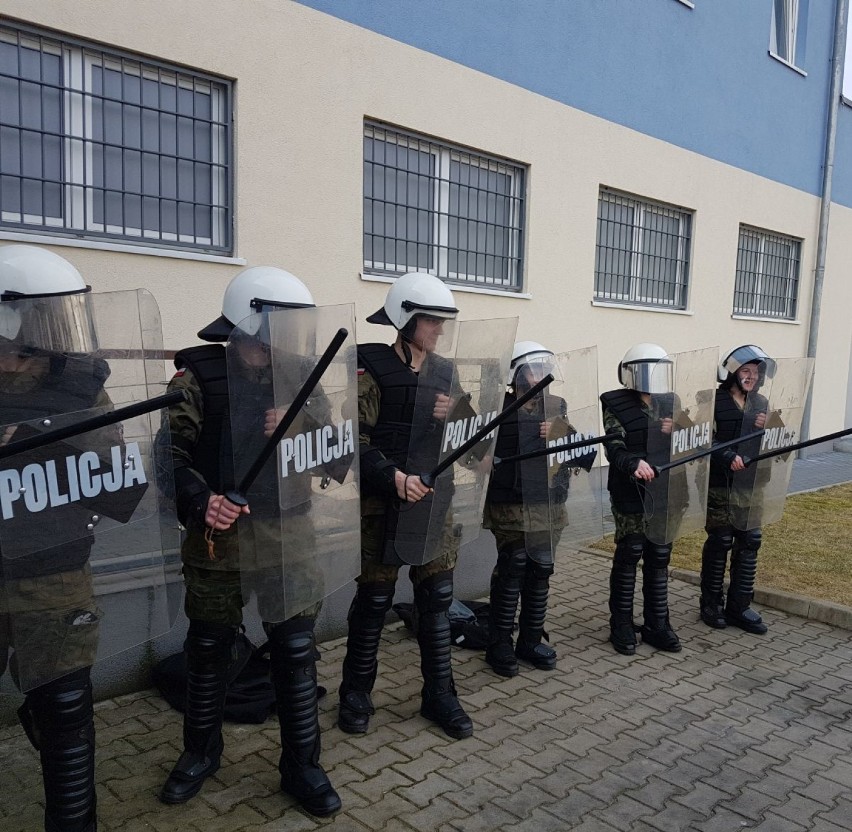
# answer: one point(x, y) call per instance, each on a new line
point(406, 338)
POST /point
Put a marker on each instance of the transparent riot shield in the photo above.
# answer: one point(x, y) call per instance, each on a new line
point(680, 425)
point(88, 536)
point(301, 541)
point(759, 492)
point(460, 389)
point(560, 499)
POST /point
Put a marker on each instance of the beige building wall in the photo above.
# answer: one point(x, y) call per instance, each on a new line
point(305, 81)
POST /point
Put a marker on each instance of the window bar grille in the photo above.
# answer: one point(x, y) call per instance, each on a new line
point(71, 177)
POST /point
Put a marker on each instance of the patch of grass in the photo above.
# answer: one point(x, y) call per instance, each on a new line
point(808, 551)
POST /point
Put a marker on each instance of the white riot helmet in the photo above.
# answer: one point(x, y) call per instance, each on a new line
point(253, 290)
point(533, 355)
point(415, 293)
point(646, 368)
point(44, 302)
point(746, 354)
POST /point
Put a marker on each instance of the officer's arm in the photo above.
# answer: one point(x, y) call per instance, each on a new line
point(185, 421)
point(616, 449)
point(376, 468)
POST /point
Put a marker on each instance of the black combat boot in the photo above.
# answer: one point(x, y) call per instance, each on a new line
point(432, 599)
point(622, 583)
point(743, 572)
point(505, 592)
point(58, 719)
point(209, 652)
point(656, 629)
point(294, 675)
point(533, 611)
point(366, 620)
point(714, 556)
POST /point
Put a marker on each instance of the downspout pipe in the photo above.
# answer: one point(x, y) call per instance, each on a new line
point(840, 14)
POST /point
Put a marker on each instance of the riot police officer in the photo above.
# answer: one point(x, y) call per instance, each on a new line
point(416, 306)
point(518, 512)
point(201, 437)
point(740, 409)
point(48, 616)
point(643, 406)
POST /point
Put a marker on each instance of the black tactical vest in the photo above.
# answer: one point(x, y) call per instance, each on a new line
point(398, 386)
point(74, 383)
point(625, 492)
point(519, 482)
point(732, 422)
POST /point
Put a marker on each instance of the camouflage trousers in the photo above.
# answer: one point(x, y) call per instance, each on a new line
point(50, 625)
point(219, 596)
point(723, 511)
point(372, 543)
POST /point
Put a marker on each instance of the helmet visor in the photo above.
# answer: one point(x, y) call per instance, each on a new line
point(653, 377)
point(750, 354)
point(50, 323)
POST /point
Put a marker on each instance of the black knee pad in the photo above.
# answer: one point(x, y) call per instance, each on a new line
point(629, 550)
point(59, 712)
point(539, 570)
point(435, 593)
point(208, 644)
point(720, 539)
point(293, 639)
point(657, 555)
point(511, 563)
point(750, 540)
point(372, 600)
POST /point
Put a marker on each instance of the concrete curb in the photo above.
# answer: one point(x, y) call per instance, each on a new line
point(813, 609)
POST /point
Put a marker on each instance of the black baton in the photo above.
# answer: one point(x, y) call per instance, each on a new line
point(555, 449)
point(108, 418)
point(658, 469)
point(797, 446)
point(429, 479)
point(237, 495)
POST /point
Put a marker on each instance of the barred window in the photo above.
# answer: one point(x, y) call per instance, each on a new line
point(642, 254)
point(767, 281)
point(437, 208)
point(99, 144)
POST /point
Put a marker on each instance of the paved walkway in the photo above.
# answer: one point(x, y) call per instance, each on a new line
point(736, 732)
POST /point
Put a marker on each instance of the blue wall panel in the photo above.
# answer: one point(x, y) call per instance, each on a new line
point(699, 78)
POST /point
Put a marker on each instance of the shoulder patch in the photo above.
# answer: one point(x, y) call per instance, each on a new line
point(361, 371)
point(179, 373)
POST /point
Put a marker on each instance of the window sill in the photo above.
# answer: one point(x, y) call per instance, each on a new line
point(788, 64)
point(454, 287)
point(616, 305)
point(105, 245)
point(764, 319)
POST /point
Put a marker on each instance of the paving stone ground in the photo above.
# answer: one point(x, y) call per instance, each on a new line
point(736, 732)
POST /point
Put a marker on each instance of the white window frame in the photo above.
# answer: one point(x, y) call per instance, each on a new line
point(78, 62)
point(444, 154)
point(641, 206)
point(793, 277)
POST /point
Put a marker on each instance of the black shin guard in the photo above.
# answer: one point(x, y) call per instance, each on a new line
point(622, 584)
point(58, 719)
point(506, 584)
point(294, 676)
point(714, 556)
point(366, 621)
point(743, 573)
point(534, 596)
point(432, 599)
point(656, 629)
point(209, 652)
